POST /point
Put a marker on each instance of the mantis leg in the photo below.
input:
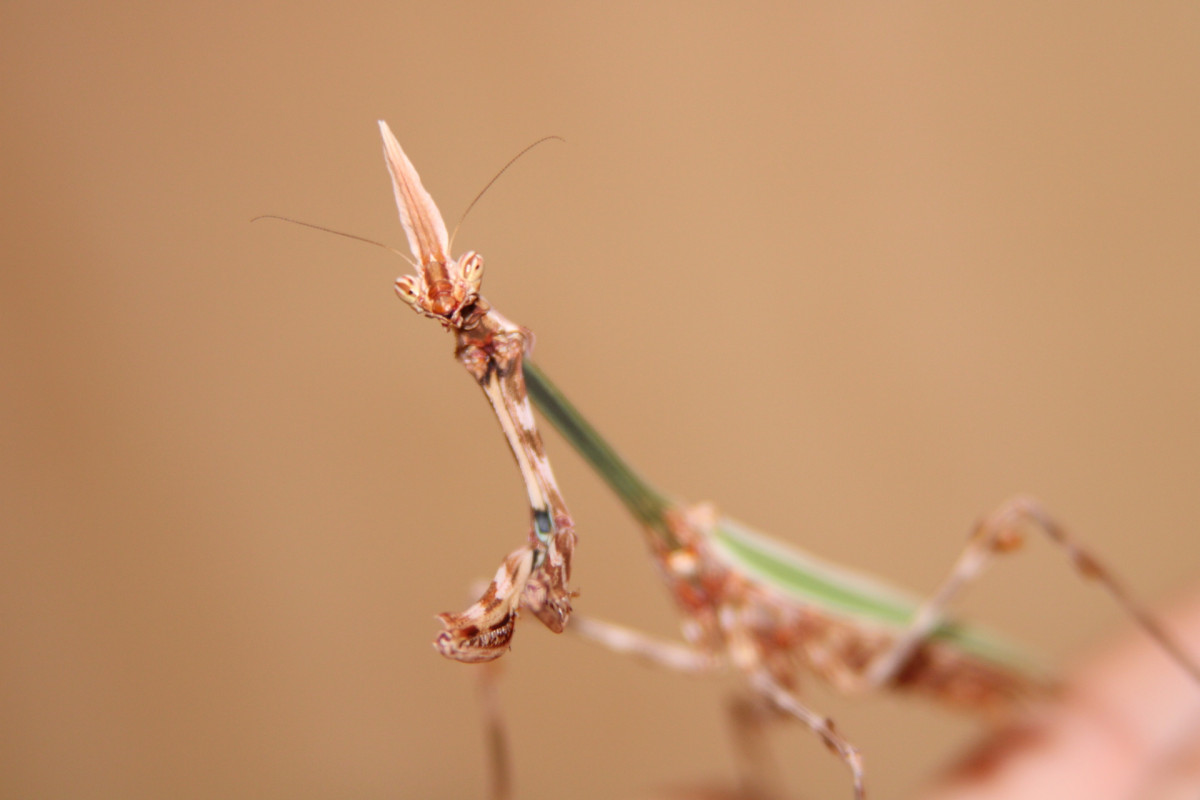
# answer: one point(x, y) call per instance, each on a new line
point(618, 638)
point(649, 649)
point(496, 733)
point(758, 773)
point(1002, 532)
point(766, 685)
point(748, 713)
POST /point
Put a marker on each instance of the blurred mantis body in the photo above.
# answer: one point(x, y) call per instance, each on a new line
point(747, 602)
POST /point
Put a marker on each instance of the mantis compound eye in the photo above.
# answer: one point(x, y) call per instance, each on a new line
point(406, 287)
point(471, 265)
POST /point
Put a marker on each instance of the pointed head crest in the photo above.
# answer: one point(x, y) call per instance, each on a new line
point(444, 288)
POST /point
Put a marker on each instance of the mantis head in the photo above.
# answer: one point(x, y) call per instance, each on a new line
point(444, 288)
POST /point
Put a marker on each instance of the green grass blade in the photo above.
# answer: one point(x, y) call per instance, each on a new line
point(845, 592)
point(789, 570)
point(642, 500)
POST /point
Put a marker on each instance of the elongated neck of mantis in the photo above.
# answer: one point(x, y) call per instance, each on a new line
point(642, 500)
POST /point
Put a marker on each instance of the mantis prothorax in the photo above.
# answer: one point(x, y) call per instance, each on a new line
point(747, 602)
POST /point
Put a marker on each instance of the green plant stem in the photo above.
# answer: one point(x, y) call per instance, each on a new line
point(642, 500)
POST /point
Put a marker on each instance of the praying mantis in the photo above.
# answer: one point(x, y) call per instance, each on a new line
point(747, 603)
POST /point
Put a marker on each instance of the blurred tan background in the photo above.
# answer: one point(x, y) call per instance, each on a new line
point(855, 275)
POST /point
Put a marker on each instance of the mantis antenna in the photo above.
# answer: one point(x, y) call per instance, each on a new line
point(457, 225)
point(354, 236)
point(495, 178)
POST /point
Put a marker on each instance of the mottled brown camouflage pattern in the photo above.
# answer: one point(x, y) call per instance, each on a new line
point(492, 349)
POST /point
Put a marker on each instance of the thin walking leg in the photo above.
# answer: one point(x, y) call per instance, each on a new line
point(644, 647)
point(762, 682)
point(1002, 532)
point(499, 759)
point(758, 772)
